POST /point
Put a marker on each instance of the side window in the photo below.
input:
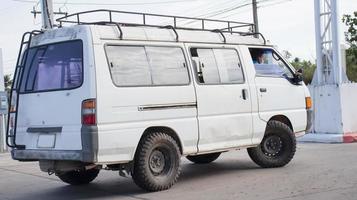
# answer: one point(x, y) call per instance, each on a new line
point(128, 65)
point(208, 66)
point(230, 68)
point(268, 63)
point(168, 65)
point(147, 65)
point(217, 66)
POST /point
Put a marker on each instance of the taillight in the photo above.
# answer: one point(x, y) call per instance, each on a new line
point(308, 103)
point(12, 109)
point(89, 112)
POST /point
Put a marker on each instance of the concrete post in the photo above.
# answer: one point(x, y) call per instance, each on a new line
point(255, 16)
point(333, 96)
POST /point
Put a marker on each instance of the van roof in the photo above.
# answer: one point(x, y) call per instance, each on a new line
point(180, 29)
point(168, 35)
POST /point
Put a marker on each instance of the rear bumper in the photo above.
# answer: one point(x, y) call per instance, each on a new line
point(36, 155)
point(88, 154)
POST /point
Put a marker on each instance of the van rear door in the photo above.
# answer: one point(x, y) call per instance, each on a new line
point(50, 97)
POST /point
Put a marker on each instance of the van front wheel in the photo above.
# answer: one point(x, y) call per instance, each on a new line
point(79, 177)
point(277, 147)
point(157, 162)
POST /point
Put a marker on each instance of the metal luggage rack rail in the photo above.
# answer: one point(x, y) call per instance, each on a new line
point(227, 26)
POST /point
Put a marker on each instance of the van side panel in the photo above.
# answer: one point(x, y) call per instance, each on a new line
point(124, 113)
point(284, 99)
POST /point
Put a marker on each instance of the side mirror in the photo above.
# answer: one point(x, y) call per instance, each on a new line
point(298, 76)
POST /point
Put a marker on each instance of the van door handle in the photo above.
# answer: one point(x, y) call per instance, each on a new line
point(244, 94)
point(263, 90)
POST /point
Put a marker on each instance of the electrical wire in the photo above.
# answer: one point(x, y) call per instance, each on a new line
point(207, 8)
point(212, 7)
point(274, 3)
point(221, 11)
point(112, 4)
point(265, 4)
point(224, 11)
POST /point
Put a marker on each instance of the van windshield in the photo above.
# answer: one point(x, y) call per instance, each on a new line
point(51, 67)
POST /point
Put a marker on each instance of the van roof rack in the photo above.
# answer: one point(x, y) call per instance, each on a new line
point(226, 26)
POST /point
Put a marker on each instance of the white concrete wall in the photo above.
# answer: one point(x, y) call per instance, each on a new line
point(335, 108)
point(327, 109)
point(349, 107)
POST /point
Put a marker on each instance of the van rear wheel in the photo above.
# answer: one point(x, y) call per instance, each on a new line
point(204, 159)
point(277, 147)
point(79, 177)
point(157, 162)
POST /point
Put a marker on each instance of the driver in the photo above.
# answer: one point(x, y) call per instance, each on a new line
point(258, 56)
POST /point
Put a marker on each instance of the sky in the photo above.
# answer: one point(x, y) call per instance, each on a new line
point(288, 24)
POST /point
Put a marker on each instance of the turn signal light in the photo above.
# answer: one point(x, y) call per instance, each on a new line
point(308, 102)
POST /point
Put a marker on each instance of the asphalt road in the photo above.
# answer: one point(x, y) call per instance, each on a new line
point(318, 171)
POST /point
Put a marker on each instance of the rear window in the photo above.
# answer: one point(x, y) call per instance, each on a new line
point(51, 67)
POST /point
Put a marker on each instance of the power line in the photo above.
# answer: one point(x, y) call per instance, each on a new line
point(207, 9)
point(274, 3)
point(236, 7)
point(222, 11)
point(242, 5)
point(259, 6)
point(226, 9)
point(112, 4)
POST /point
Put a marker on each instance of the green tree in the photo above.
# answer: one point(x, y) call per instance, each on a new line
point(351, 22)
point(351, 53)
point(307, 66)
point(8, 83)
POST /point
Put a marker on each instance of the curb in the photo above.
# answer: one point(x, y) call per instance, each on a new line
point(350, 137)
point(329, 138)
point(322, 138)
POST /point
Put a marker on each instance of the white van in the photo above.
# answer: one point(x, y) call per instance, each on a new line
point(137, 97)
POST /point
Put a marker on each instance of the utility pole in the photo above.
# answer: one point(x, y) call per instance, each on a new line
point(47, 14)
point(255, 16)
point(334, 97)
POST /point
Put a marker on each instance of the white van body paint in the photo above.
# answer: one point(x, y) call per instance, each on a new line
point(205, 118)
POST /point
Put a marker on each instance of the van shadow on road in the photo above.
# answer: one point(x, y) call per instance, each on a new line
point(109, 186)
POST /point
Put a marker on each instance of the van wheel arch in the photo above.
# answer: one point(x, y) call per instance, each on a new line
point(283, 119)
point(166, 130)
